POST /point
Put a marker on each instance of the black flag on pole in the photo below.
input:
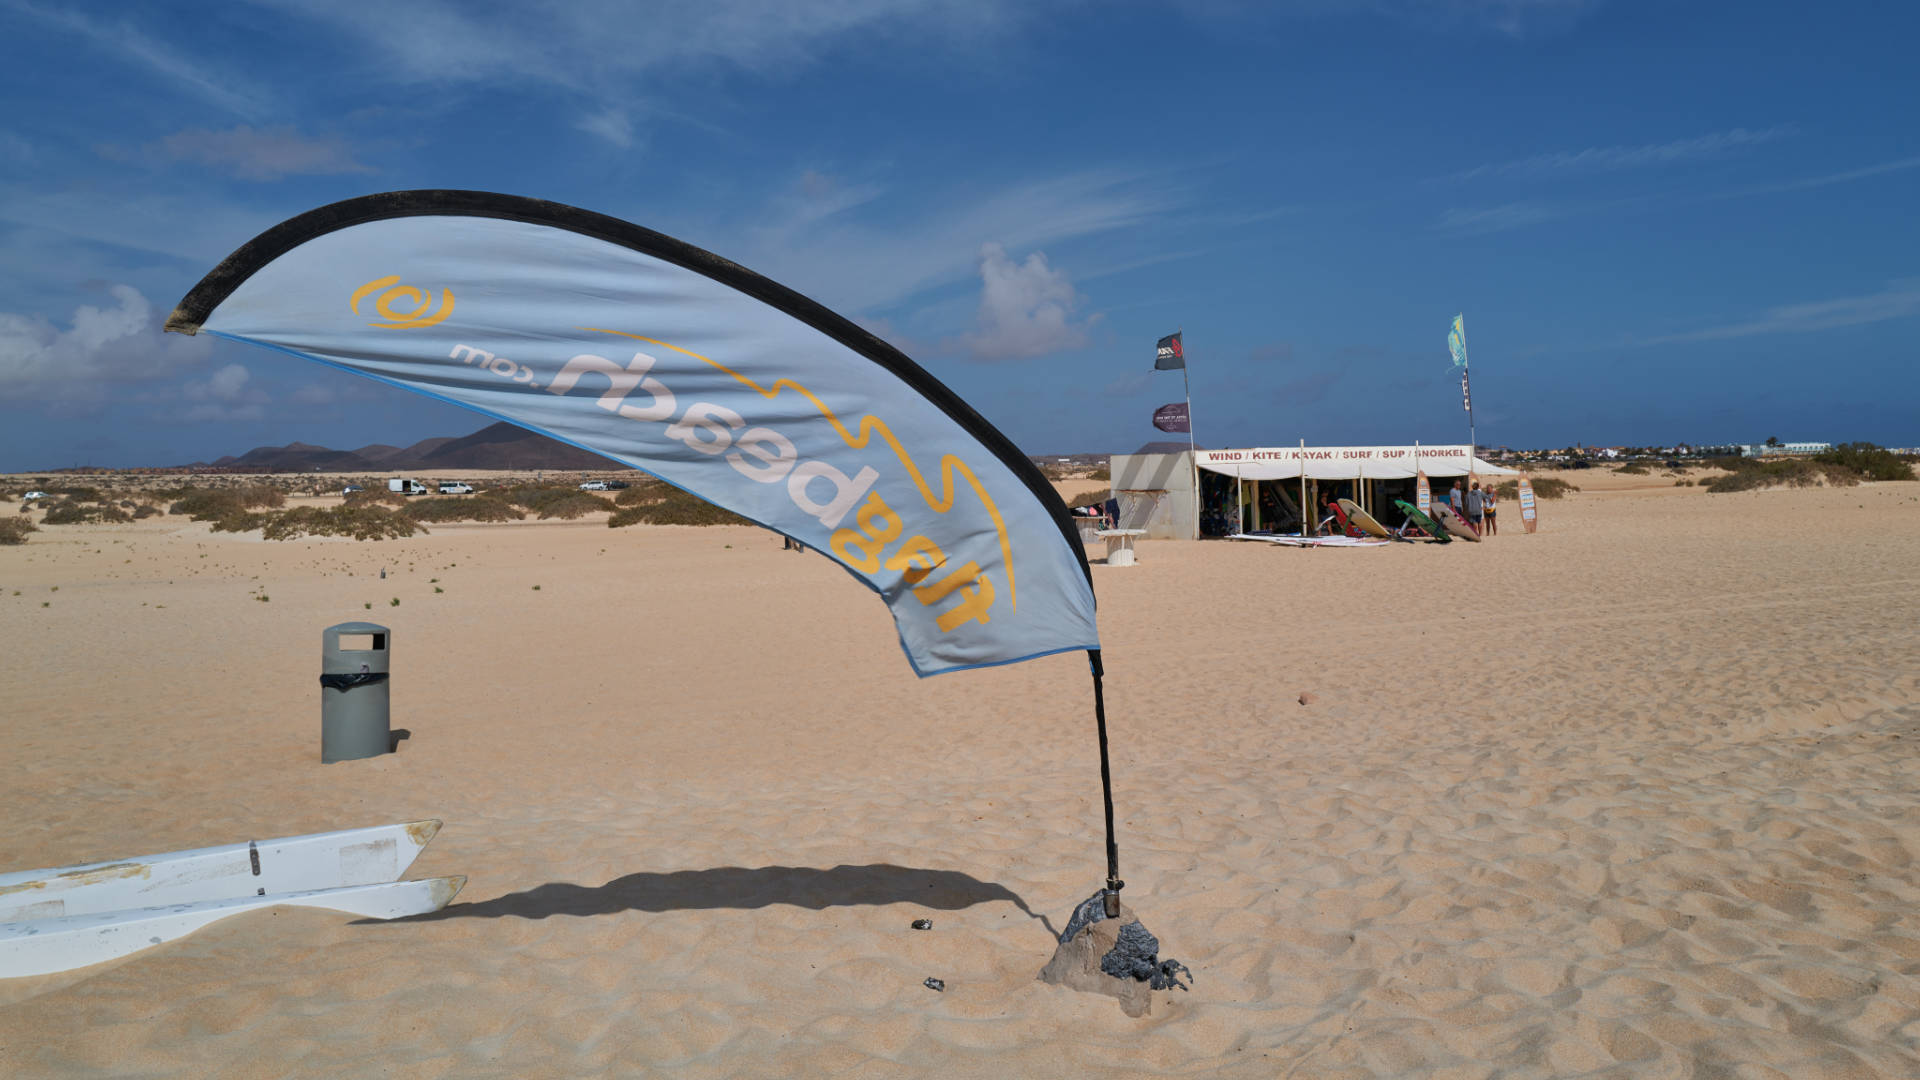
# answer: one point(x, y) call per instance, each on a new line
point(1168, 356)
point(1466, 399)
point(1172, 417)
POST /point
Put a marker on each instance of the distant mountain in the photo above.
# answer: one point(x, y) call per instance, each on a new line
point(295, 457)
point(496, 446)
point(502, 446)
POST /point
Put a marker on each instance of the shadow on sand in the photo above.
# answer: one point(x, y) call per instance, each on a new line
point(744, 888)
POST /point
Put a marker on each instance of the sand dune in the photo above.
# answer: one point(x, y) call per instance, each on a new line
point(1631, 797)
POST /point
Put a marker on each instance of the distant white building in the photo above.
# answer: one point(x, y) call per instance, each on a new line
point(1762, 449)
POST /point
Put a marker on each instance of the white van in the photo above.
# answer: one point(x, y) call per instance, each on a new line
point(455, 489)
point(406, 487)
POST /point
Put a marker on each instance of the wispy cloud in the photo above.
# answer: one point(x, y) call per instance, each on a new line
point(1489, 219)
point(1899, 300)
point(591, 44)
point(189, 74)
point(250, 153)
point(1811, 182)
point(1615, 158)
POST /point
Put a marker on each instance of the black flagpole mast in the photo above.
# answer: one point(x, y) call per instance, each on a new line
point(1114, 884)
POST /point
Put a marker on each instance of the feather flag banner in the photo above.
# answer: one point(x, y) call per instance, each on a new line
point(659, 355)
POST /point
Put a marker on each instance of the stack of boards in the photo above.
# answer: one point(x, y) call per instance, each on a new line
point(73, 916)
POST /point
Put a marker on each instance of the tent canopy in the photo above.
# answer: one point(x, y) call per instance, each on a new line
point(1348, 462)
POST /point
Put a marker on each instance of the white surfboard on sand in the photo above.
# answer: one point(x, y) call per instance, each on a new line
point(58, 919)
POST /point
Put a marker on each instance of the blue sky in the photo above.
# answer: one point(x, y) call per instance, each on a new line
point(1664, 221)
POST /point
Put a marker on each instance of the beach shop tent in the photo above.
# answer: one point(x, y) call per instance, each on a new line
point(1347, 462)
point(1155, 491)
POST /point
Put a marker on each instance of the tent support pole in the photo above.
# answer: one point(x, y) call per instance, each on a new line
point(1114, 884)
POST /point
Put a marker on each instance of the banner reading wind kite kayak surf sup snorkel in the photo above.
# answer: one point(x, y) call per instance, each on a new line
point(662, 356)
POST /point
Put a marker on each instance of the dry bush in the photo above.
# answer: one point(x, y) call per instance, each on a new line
point(556, 502)
point(376, 496)
point(15, 530)
point(1870, 461)
point(1544, 488)
point(200, 504)
point(663, 504)
point(471, 508)
point(1631, 468)
point(67, 512)
point(358, 522)
point(1748, 474)
point(1091, 498)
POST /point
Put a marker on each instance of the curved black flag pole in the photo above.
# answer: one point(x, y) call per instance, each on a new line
point(199, 303)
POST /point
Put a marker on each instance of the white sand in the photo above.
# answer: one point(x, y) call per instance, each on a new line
point(1631, 797)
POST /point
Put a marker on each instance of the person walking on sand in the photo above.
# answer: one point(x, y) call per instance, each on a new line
point(1487, 503)
point(1476, 509)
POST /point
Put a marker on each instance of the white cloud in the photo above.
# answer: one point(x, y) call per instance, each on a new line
point(224, 395)
point(103, 346)
point(1026, 308)
point(260, 153)
point(613, 125)
point(1899, 300)
point(853, 265)
point(1613, 158)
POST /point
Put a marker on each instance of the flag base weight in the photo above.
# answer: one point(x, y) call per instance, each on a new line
point(1105, 950)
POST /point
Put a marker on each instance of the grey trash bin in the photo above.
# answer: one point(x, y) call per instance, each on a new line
point(355, 703)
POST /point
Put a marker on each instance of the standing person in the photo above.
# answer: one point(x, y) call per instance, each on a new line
point(1457, 498)
point(1487, 503)
point(1476, 509)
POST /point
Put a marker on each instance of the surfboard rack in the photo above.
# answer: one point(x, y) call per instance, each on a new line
point(69, 917)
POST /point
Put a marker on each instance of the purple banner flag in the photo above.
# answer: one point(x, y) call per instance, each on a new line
point(1172, 417)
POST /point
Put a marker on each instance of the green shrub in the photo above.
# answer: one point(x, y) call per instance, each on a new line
point(663, 504)
point(144, 510)
point(375, 496)
point(1870, 461)
point(556, 502)
point(204, 505)
point(1544, 488)
point(66, 512)
point(1752, 475)
point(358, 522)
point(472, 508)
point(1101, 473)
point(15, 530)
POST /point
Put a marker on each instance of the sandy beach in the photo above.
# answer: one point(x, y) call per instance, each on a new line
point(1634, 796)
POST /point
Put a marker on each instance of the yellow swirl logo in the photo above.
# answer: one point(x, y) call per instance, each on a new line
point(392, 292)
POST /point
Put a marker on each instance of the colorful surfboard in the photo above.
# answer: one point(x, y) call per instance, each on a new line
point(1528, 513)
point(1364, 521)
point(1423, 522)
point(1450, 519)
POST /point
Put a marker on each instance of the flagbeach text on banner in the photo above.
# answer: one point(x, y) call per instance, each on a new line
point(661, 356)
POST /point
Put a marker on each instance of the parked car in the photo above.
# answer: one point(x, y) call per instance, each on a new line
point(616, 485)
point(456, 489)
point(351, 488)
point(32, 495)
point(594, 485)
